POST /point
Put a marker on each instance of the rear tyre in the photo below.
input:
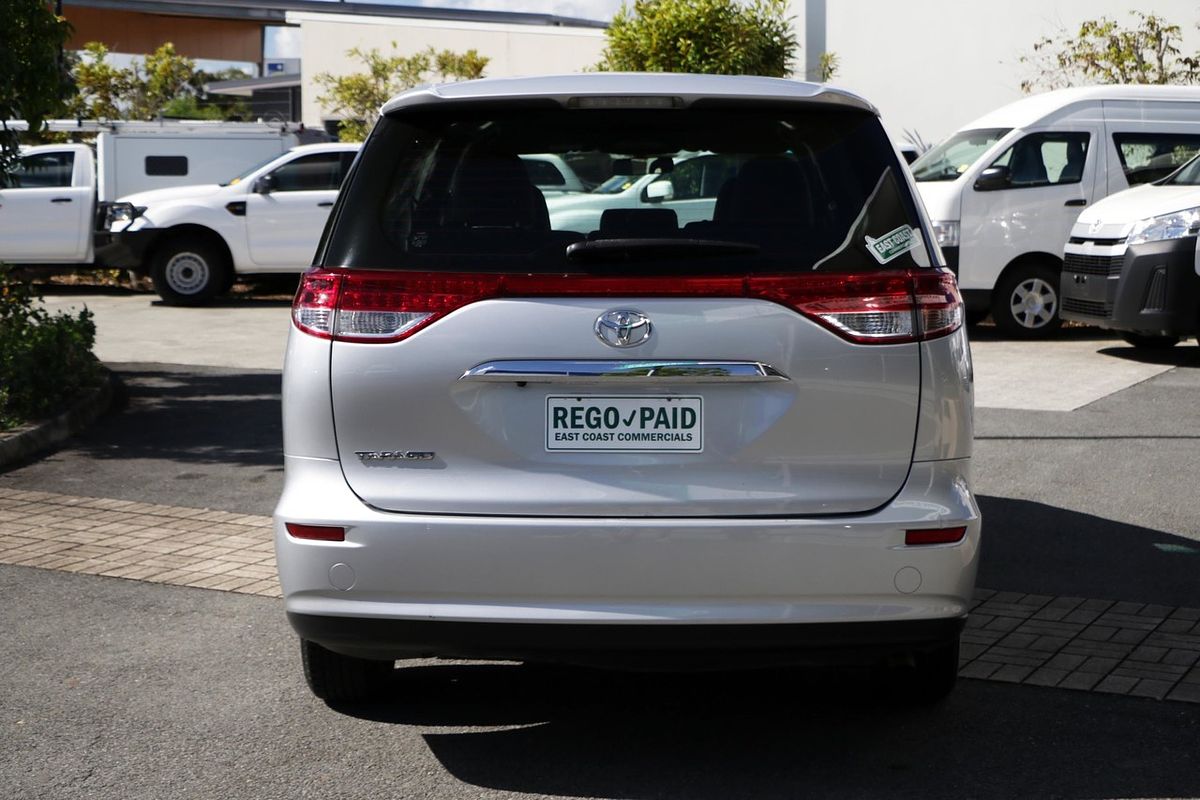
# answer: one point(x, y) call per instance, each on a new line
point(924, 677)
point(1025, 303)
point(336, 678)
point(1150, 341)
point(189, 271)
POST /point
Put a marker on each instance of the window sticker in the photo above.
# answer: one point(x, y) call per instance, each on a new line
point(892, 244)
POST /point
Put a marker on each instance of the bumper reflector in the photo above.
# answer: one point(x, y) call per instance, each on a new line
point(320, 533)
point(935, 535)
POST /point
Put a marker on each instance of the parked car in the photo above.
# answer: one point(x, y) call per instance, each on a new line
point(55, 205)
point(1005, 190)
point(551, 173)
point(685, 184)
point(1131, 262)
point(734, 441)
point(194, 241)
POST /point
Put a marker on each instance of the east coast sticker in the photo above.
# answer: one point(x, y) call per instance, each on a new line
point(892, 244)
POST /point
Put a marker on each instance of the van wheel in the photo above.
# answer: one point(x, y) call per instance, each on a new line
point(1025, 303)
point(342, 679)
point(189, 271)
point(1150, 341)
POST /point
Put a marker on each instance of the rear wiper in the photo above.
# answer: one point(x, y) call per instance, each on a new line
point(630, 249)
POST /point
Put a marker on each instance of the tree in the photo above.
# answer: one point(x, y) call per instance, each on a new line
point(357, 97)
point(711, 36)
point(163, 83)
point(33, 81)
point(1105, 52)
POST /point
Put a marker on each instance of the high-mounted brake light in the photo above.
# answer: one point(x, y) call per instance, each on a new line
point(890, 307)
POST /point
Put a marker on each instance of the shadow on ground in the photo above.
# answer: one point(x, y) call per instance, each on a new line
point(1040, 549)
point(782, 734)
point(188, 436)
point(1181, 355)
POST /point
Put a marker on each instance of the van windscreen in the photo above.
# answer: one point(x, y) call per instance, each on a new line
point(953, 157)
point(702, 189)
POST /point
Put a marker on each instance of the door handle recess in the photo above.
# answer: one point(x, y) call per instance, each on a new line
point(325, 204)
point(61, 200)
point(1079, 201)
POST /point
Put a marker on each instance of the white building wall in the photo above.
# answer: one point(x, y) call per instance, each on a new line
point(931, 66)
point(513, 49)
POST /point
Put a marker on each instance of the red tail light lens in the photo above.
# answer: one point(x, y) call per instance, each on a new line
point(866, 308)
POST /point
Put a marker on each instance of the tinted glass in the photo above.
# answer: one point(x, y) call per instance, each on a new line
point(711, 189)
point(166, 165)
point(318, 172)
point(43, 171)
point(1147, 157)
point(1045, 159)
point(954, 156)
point(543, 173)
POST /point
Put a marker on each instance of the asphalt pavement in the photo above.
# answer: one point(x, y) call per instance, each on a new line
point(117, 688)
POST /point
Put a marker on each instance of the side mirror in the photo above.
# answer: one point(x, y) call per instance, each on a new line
point(659, 191)
point(265, 184)
point(994, 178)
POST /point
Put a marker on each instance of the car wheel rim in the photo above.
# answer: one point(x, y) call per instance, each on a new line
point(1033, 303)
point(186, 273)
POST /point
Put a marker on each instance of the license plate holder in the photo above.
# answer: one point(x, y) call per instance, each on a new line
point(624, 423)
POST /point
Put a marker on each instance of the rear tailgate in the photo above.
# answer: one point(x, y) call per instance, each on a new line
point(758, 411)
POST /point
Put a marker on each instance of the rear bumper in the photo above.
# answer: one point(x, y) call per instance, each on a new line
point(631, 646)
point(1152, 288)
point(507, 587)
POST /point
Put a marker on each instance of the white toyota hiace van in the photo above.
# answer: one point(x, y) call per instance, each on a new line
point(1004, 191)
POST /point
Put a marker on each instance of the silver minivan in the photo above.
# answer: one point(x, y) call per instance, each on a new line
point(737, 440)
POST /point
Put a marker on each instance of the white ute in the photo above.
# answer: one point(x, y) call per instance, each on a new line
point(194, 241)
point(56, 204)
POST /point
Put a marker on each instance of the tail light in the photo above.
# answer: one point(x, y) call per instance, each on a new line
point(889, 307)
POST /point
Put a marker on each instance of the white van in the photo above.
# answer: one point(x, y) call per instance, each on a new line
point(1004, 191)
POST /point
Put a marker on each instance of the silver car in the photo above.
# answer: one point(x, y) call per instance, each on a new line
point(721, 442)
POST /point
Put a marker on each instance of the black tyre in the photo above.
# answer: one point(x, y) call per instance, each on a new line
point(342, 679)
point(189, 271)
point(924, 677)
point(1150, 341)
point(977, 316)
point(1025, 302)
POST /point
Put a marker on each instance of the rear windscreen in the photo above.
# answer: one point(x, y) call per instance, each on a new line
point(705, 188)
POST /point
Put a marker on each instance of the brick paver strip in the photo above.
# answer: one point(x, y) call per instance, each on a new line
point(1137, 649)
point(138, 541)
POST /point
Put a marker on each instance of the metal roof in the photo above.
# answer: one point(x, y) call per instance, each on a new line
point(1029, 110)
point(245, 87)
point(687, 87)
point(270, 12)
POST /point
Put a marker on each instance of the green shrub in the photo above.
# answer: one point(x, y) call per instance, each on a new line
point(45, 359)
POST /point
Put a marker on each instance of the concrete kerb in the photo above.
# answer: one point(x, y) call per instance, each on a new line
point(27, 440)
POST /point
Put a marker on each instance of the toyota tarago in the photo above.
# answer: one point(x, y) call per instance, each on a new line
point(736, 440)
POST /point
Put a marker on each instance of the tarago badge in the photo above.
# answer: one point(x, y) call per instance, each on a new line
point(891, 244)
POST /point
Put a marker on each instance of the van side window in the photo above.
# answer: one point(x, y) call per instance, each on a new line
point(1046, 159)
point(1147, 157)
point(43, 171)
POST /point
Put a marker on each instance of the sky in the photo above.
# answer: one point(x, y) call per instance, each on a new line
point(285, 42)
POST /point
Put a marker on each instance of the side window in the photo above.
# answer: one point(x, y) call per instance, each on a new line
point(543, 173)
point(318, 172)
point(700, 178)
point(167, 165)
point(1045, 159)
point(1147, 157)
point(43, 171)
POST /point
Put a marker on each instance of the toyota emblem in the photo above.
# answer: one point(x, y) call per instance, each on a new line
point(623, 328)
